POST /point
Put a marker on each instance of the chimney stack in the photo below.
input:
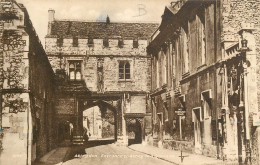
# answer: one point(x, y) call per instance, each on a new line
point(51, 15)
point(108, 20)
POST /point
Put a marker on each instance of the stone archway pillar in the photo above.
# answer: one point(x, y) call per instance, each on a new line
point(122, 138)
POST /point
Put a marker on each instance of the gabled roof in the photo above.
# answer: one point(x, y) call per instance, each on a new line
point(101, 29)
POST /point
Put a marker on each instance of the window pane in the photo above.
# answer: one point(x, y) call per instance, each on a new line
point(121, 76)
point(78, 66)
point(72, 75)
point(127, 70)
point(78, 76)
point(127, 65)
point(121, 70)
point(127, 76)
point(71, 65)
point(121, 64)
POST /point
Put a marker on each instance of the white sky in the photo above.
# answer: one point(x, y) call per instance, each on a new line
point(92, 10)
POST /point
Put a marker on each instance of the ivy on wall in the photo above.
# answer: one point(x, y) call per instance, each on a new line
point(13, 59)
point(14, 103)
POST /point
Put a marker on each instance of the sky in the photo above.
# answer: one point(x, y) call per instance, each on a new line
point(93, 10)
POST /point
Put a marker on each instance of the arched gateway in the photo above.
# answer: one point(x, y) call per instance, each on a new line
point(113, 115)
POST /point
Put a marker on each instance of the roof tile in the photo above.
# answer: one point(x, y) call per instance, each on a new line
point(99, 30)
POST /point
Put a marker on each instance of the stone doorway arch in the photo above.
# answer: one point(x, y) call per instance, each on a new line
point(134, 129)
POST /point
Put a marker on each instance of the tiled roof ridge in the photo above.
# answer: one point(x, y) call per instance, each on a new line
point(101, 29)
point(118, 22)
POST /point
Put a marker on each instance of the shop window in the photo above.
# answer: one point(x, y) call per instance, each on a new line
point(60, 42)
point(75, 42)
point(75, 70)
point(124, 70)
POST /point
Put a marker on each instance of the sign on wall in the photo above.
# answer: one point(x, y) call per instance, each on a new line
point(180, 112)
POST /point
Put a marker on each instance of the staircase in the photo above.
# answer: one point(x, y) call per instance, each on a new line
point(78, 140)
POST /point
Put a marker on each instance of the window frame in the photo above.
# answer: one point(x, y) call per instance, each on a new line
point(75, 69)
point(123, 70)
point(206, 97)
point(202, 35)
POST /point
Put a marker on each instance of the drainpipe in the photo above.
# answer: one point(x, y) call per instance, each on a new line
point(243, 51)
point(248, 149)
point(247, 131)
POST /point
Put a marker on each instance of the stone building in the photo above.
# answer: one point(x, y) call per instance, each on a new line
point(111, 60)
point(93, 122)
point(205, 86)
point(26, 89)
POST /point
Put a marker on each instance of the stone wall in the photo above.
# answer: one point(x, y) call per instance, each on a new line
point(140, 64)
point(96, 49)
point(237, 14)
point(27, 129)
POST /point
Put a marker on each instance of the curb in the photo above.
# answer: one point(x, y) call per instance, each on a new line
point(218, 163)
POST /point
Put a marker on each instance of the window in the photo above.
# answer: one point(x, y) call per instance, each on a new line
point(206, 97)
point(60, 42)
point(75, 70)
point(157, 73)
point(105, 42)
point(75, 42)
point(201, 36)
point(90, 42)
point(163, 65)
point(184, 32)
point(124, 70)
point(120, 43)
point(135, 43)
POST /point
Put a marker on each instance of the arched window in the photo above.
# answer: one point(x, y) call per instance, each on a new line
point(124, 70)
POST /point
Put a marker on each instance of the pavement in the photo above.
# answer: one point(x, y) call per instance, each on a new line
point(174, 157)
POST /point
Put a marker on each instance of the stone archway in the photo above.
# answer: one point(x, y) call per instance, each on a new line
point(65, 131)
point(108, 117)
point(134, 129)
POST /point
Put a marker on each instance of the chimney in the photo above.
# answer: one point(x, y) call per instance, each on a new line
point(108, 20)
point(51, 15)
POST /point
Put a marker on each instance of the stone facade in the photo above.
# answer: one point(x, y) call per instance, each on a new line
point(26, 89)
point(204, 86)
point(110, 58)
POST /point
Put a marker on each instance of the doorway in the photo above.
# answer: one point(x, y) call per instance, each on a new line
point(196, 118)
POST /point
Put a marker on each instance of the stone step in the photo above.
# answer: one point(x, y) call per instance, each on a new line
point(78, 140)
